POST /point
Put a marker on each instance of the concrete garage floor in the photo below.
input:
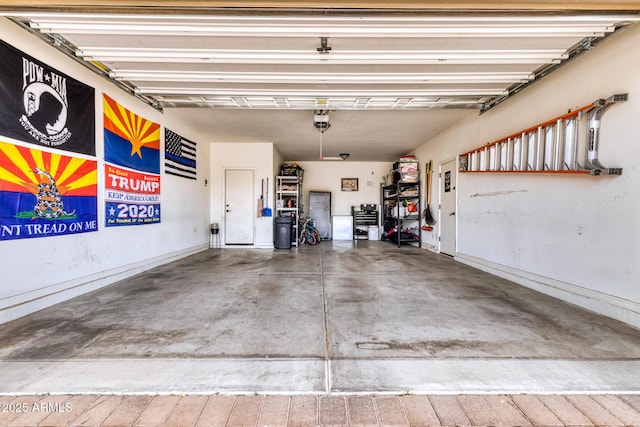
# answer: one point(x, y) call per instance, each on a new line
point(342, 317)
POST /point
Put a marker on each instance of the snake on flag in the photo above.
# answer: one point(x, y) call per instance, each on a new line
point(49, 203)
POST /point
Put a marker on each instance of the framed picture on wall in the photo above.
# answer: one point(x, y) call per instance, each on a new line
point(349, 184)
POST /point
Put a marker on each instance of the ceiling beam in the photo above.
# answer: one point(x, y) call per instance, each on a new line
point(427, 5)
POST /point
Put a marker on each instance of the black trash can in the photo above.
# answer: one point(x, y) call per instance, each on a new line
point(284, 224)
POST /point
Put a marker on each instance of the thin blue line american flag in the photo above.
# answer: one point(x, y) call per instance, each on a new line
point(179, 155)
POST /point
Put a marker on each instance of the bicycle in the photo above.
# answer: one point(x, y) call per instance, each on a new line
point(308, 232)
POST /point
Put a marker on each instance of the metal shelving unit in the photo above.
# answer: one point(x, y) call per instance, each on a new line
point(396, 212)
point(289, 202)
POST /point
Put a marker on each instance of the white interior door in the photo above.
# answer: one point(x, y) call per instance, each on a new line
point(239, 207)
point(448, 207)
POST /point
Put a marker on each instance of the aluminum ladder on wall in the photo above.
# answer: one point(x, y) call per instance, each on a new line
point(549, 147)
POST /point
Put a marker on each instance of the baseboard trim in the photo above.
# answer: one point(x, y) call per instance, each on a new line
point(30, 302)
point(605, 304)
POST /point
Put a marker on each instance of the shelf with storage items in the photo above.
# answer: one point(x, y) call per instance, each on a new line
point(364, 216)
point(401, 219)
point(289, 202)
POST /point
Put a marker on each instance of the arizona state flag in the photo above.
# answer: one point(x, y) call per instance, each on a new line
point(45, 194)
point(40, 105)
point(130, 140)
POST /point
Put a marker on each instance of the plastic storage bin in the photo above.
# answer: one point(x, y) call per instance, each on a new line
point(374, 233)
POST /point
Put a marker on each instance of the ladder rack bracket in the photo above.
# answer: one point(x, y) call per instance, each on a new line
point(605, 171)
point(594, 114)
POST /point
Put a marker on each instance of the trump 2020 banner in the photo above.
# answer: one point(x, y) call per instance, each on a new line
point(132, 167)
point(40, 105)
point(45, 194)
point(132, 197)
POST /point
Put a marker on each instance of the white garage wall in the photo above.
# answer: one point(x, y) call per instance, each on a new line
point(37, 273)
point(326, 176)
point(573, 237)
point(259, 157)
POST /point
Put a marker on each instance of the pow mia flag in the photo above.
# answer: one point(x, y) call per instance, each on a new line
point(40, 105)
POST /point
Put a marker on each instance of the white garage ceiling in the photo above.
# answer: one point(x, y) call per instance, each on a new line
point(390, 80)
